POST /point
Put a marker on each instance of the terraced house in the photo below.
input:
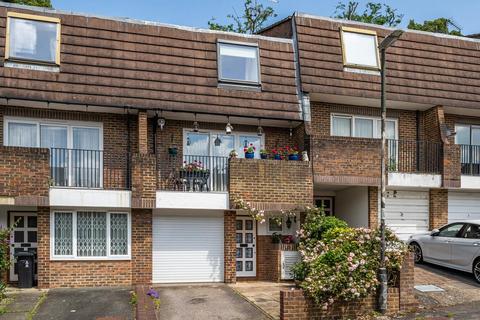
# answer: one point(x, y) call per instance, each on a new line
point(116, 136)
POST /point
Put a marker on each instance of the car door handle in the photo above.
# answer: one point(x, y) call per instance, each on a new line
point(476, 244)
point(448, 241)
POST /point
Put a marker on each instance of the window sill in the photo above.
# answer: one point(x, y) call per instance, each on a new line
point(361, 71)
point(240, 86)
point(31, 66)
point(90, 259)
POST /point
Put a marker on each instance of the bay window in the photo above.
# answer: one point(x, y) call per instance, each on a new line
point(360, 48)
point(90, 235)
point(238, 62)
point(32, 38)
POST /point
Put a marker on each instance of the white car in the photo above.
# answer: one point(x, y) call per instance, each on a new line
point(455, 245)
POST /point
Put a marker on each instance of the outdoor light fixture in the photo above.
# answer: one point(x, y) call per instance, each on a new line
point(161, 121)
point(382, 271)
point(196, 126)
point(217, 141)
point(291, 129)
point(259, 129)
point(228, 127)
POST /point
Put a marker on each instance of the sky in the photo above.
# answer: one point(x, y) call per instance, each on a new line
point(196, 13)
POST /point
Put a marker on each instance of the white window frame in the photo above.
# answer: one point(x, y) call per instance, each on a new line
point(275, 231)
point(364, 32)
point(213, 134)
point(237, 81)
point(18, 15)
point(471, 126)
point(74, 236)
point(352, 124)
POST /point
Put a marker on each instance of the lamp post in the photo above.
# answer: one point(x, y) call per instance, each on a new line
point(382, 272)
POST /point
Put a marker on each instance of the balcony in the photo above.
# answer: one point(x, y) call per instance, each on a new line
point(91, 169)
point(410, 156)
point(470, 160)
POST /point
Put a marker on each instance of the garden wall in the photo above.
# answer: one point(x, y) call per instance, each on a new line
point(294, 305)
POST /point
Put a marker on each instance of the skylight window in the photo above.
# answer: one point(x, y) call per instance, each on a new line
point(238, 63)
point(360, 48)
point(34, 39)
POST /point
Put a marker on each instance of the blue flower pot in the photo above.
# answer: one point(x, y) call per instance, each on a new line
point(293, 157)
point(249, 155)
point(278, 157)
point(264, 156)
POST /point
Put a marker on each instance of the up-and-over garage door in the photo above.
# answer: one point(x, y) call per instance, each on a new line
point(463, 206)
point(407, 212)
point(188, 248)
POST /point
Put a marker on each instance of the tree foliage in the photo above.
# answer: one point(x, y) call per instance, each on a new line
point(376, 13)
point(439, 25)
point(36, 3)
point(251, 20)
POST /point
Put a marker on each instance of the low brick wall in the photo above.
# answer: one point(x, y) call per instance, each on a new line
point(24, 174)
point(295, 305)
point(271, 184)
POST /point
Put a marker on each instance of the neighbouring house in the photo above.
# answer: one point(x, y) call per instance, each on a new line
point(115, 137)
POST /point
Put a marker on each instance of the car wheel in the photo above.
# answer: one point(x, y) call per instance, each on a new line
point(417, 252)
point(476, 270)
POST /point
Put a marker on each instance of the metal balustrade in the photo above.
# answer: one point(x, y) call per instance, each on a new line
point(470, 159)
point(414, 156)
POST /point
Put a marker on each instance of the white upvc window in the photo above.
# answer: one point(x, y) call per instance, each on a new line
point(202, 143)
point(360, 48)
point(90, 235)
point(238, 62)
point(343, 125)
point(31, 38)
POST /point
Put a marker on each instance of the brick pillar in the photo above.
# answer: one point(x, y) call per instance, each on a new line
point(141, 246)
point(451, 165)
point(144, 181)
point(43, 250)
point(373, 207)
point(407, 281)
point(230, 270)
point(142, 132)
point(438, 203)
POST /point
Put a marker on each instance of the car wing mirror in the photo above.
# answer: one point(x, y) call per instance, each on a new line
point(434, 232)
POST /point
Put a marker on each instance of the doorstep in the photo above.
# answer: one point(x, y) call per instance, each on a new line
point(265, 295)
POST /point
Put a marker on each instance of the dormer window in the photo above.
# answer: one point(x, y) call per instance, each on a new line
point(360, 49)
point(32, 39)
point(238, 63)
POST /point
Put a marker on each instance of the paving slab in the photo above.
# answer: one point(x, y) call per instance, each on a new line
point(205, 302)
point(87, 304)
point(20, 303)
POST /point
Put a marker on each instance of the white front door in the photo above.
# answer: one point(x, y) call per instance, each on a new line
point(23, 238)
point(246, 251)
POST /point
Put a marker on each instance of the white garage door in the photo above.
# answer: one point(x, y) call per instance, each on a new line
point(187, 248)
point(463, 206)
point(406, 212)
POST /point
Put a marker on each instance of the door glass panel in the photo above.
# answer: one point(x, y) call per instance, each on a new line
point(227, 144)
point(18, 236)
point(32, 236)
point(248, 265)
point(248, 224)
point(239, 253)
point(53, 136)
point(475, 136)
point(462, 134)
point(245, 141)
point(239, 224)
point(19, 222)
point(197, 144)
point(22, 134)
point(239, 265)
point(239, 238)
point(249, 237)
point(56, 137)
point(86, 159)
point(390, 129)
point(363, 128)
point(32, 222)
point(249, 253)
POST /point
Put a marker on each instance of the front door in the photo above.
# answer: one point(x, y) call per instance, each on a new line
point(246, 251)
point(23, 238)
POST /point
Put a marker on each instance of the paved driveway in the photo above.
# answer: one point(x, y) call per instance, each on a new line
point(86, 304)
point(202, 302)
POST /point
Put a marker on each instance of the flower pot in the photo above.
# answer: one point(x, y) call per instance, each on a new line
point(263, 156)
point(249, 155)
point(172, 151)
point(278, 157)
point(293, 157)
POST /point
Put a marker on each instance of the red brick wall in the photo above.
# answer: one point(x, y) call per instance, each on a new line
point(373, 221)
point(268, 259)
point(142, 132)
point(438, 205)
point(24, 172)
point(407, 281)
point(53, 274)
point(144, 180)
point(271, 181)
point(230, 272)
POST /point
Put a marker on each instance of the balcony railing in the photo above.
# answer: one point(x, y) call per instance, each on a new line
point(80, 168)
point(196, 174)
point(414, 156)
point(470, 159)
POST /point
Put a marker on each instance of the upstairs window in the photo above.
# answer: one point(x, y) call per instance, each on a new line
point(34, 39)
point(361, 127)
point(238, 63)
point(360, 48)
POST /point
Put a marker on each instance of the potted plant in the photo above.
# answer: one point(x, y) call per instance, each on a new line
point(249, 151)
point(276, 237)
point(264, 154)
point(287, 239)
point(293, 153)
point(233, 154)
point(277, 154)
point(173, 151)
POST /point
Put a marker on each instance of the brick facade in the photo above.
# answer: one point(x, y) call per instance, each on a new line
point(438, 206)
point(294, 305)
point(144, 180)
point(268, 259)
point(142, 246)
point(373, 207)
point(229, 245)
point(271, 184)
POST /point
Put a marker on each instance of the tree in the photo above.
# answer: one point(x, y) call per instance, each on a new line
point(36, 3)
point(439, 25)
point(250, 21)
point(375, 13)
